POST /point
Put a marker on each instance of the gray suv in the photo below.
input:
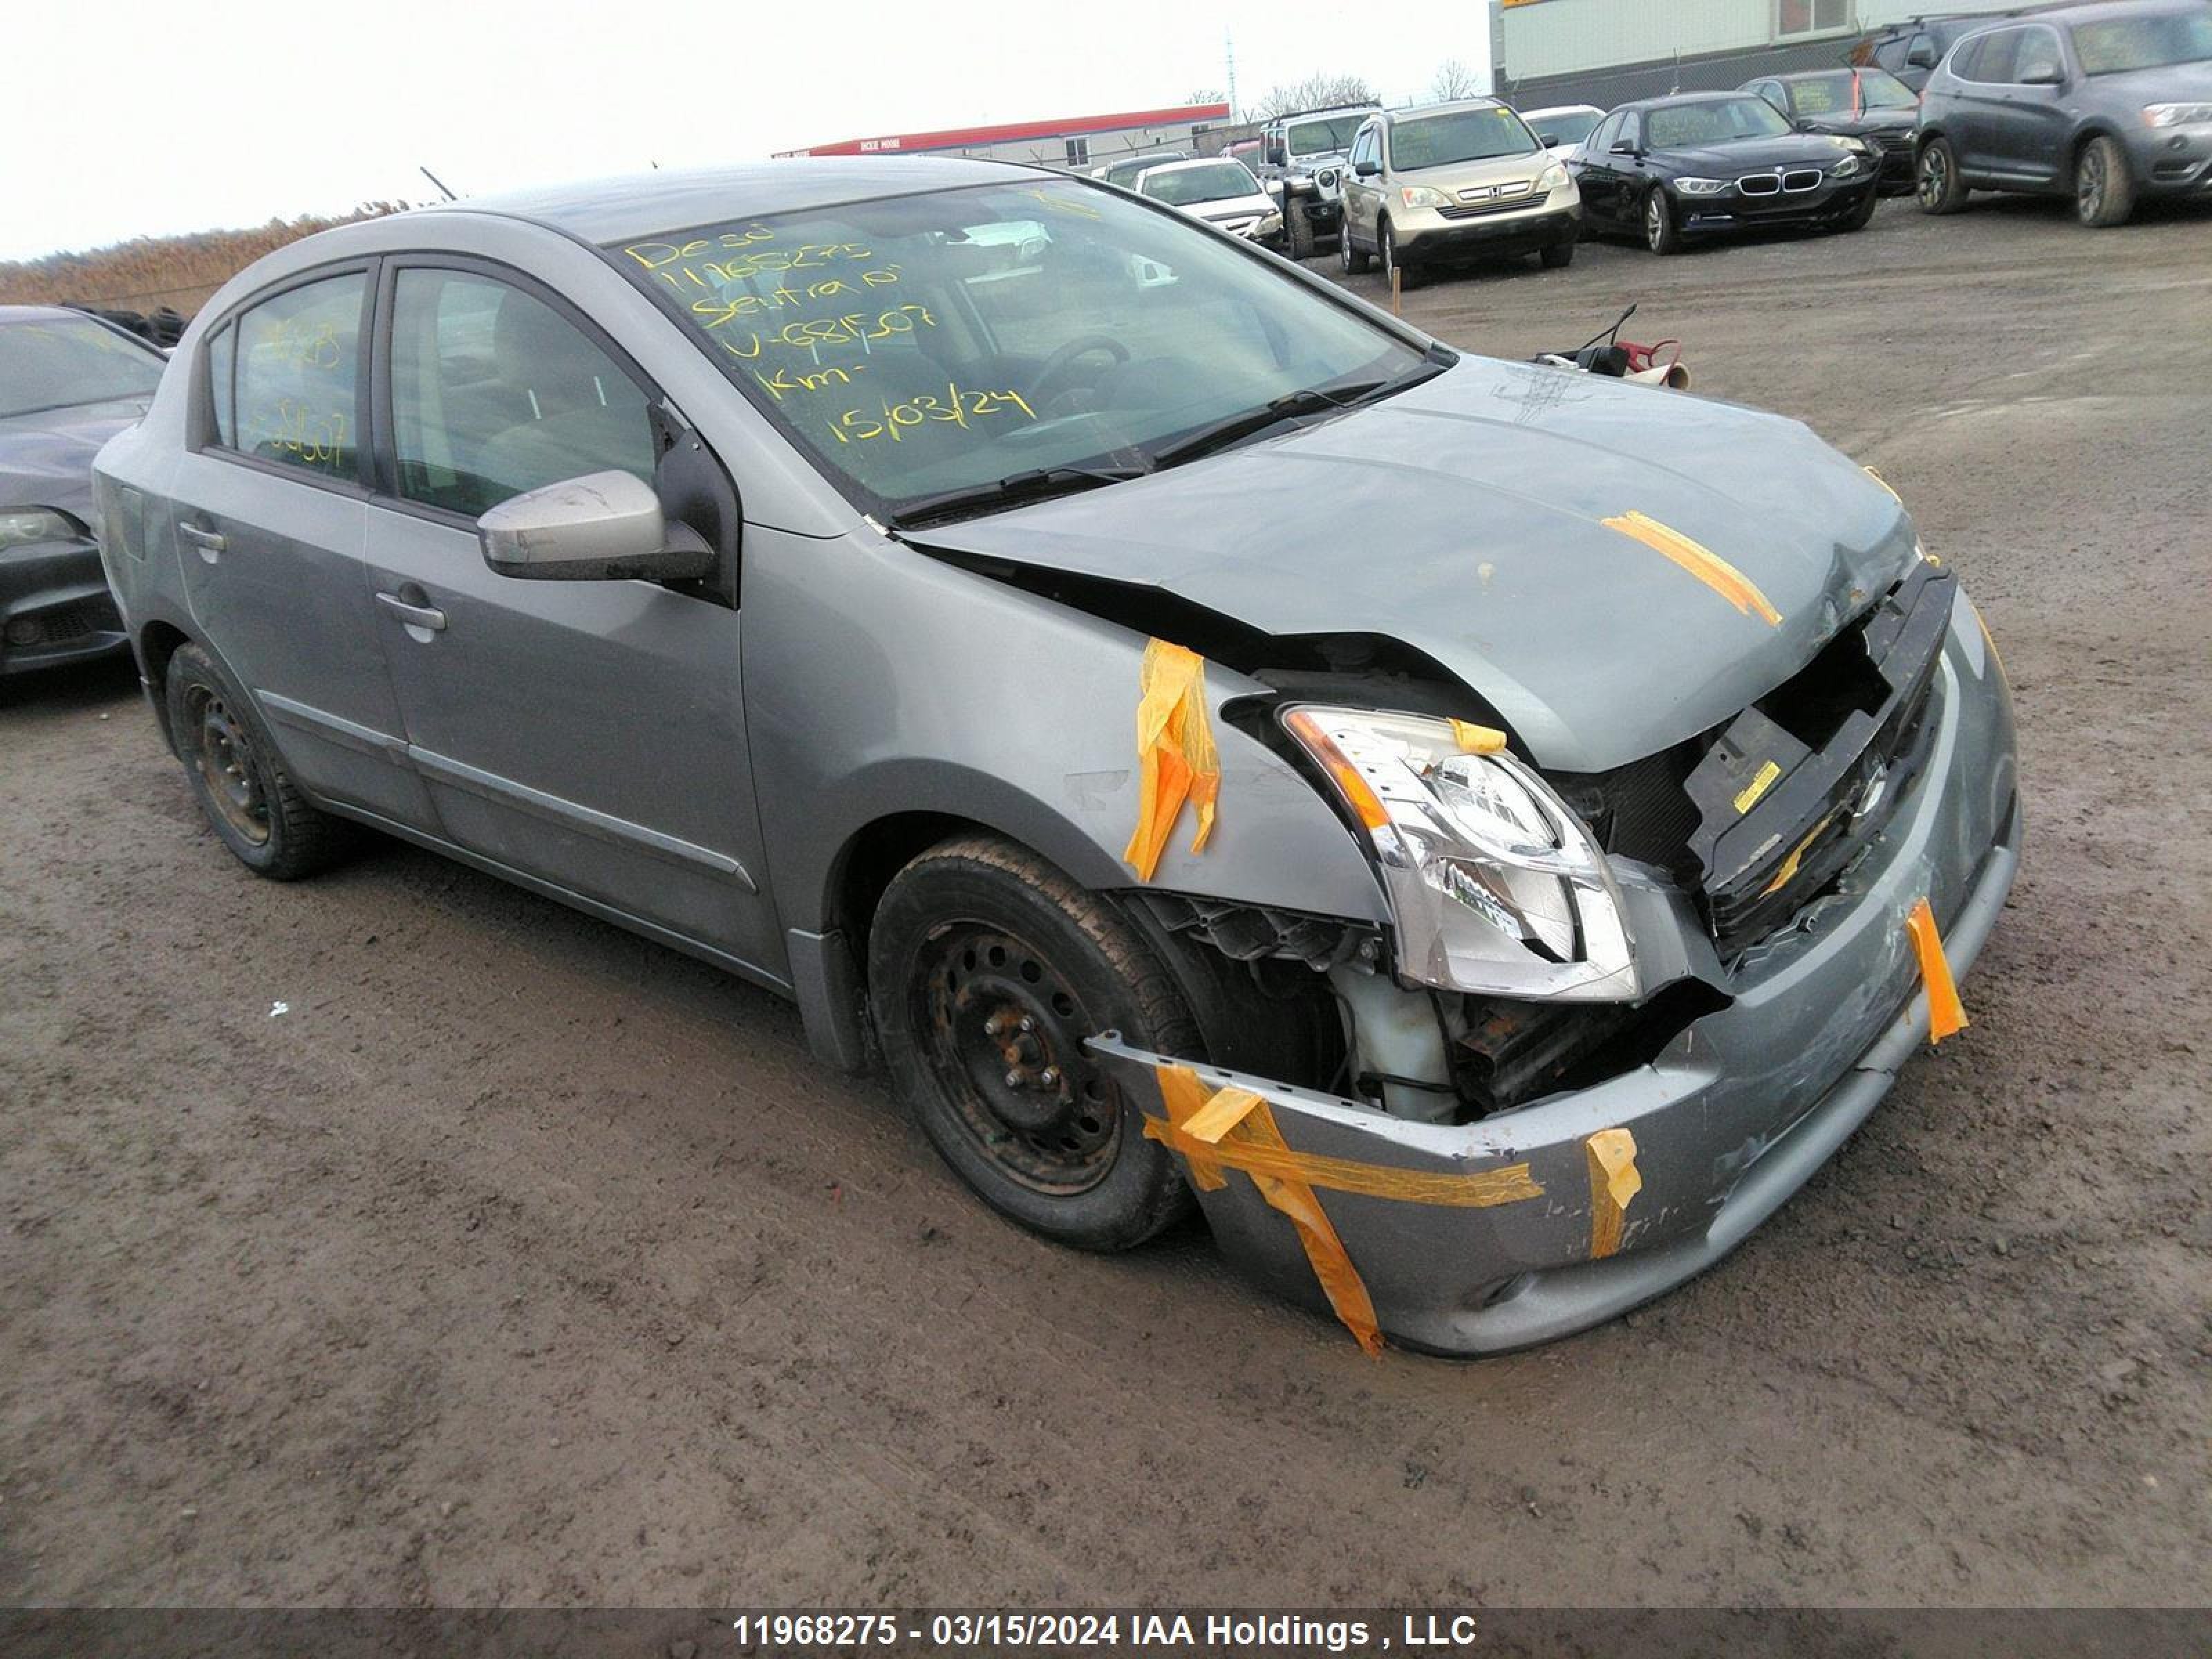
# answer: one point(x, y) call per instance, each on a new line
point(2107, 104)
point(1484, 834)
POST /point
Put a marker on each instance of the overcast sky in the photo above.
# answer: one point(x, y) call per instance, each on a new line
point(128, 118)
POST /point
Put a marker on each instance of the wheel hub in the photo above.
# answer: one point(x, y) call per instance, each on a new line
point(224, 759)
point(1005, 1035)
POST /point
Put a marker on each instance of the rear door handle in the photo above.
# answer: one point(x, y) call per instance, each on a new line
point(415, 616)
point(210, 543)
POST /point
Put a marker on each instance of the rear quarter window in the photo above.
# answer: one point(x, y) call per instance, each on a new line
point(297, 371)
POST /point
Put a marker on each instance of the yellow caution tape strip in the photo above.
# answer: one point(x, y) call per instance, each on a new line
point(1176, 752)
point(1614, 1182)
point(1707, 566)
point(1234, 1129)
point(1947, 1015)
point(1477, 739)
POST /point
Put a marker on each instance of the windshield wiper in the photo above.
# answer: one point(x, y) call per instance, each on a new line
point(1309, 401)
point(1035, 485)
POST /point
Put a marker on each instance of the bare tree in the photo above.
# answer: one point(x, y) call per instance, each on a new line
point(1316, 91)
point(1207, 95)
point(1452, 79)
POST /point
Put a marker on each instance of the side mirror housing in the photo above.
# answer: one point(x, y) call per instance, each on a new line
point(1921, 58)
point(602, 527)
point(1622, 146)
point(1549, 140)
point(2049, 75)
point(1367, 169)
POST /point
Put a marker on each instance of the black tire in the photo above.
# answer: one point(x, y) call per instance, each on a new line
point(250, 799)
point(2104, 188)
point(1297, 230)
point(1355, 260)
point(1936, 181)
point(975, 937)
point(1861, 216)
point(1558, 257)
point(1661, 233)
point(1386, 258)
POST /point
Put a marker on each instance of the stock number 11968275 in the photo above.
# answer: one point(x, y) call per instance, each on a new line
point(956, 404)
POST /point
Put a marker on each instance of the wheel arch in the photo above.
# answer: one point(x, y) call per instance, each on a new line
point(157, 641)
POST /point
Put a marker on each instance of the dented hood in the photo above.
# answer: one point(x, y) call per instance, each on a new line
point(1466, 517)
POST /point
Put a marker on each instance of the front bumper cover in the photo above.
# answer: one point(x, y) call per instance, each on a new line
point(1431, 238)
point(55, 607)
point(1730, 1120)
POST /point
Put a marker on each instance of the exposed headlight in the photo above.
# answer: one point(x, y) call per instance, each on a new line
point(1495, 886)
point(1420, 195)
point(1849, 167)
point(1268, 225)
point(2177, 115)
point(1553, 177)
point(19, 526)
point(1701, 187)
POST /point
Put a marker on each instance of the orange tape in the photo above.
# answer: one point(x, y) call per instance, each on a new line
point(1234, 1129)
point(1614, 1182)
point(1175, 751)
point(1947, 1015)
point(1707, 566)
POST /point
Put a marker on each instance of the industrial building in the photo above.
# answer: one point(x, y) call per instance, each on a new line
point(1077, 142)
point(1613, 52)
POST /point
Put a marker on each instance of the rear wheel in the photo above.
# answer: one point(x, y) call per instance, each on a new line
point(1354, 261)
point(250, 799)
point(1661, 234)
point(1938, 185)
point(2104, 189)
point(987, 969)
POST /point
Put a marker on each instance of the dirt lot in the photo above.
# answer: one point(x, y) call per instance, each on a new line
point(521, 1261)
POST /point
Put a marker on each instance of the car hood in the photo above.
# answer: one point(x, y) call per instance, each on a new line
point(46, 457)
point(1466, 517)
point(1230, 207)
point(1789, 149)
point(2173, 84)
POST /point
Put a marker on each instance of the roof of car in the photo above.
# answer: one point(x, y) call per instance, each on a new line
point(1684, 98)
point(37, 314)
point(1327, 109)
point(640, 204)
point(1189, 162)
point(1449, 105)
point(1560, 109)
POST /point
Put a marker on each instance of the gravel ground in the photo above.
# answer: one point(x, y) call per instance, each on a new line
point(521, 1261)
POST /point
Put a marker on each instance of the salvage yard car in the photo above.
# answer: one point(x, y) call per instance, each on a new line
point(1450, 183)
point(1302, 161)
point(1484, 834)
point(1222, 193)
point(1703, 164)
point(2107, 104)
point(1870, 104)
point(68, 383)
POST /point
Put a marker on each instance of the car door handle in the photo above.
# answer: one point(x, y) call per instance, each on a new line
point(415, 616)
point(210, 543)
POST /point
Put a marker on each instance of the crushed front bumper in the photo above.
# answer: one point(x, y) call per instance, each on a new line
point(1730, 1120)
point(55, 607)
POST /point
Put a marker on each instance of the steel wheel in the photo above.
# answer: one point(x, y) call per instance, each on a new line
point(1003, 1033)
point(222, 754)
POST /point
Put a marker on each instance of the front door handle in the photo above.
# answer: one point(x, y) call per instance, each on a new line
point(210, 543)
point(415, 616)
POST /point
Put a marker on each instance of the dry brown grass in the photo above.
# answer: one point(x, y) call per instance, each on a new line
point(149, 272)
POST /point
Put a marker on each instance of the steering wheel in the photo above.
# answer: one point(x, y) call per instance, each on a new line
point(1057, 365)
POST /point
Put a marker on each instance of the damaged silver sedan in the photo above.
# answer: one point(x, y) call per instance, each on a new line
point(1484, 834)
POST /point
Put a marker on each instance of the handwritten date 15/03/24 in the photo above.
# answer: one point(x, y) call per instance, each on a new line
point(958, 405)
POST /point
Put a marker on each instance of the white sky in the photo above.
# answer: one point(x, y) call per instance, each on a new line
point(130, 118)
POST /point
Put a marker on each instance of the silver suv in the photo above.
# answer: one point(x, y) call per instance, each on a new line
point(1211, 742)
point(1456, 182)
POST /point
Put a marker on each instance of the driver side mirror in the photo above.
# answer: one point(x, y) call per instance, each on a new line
point(1622, 146)
point(602, 527)
point(1367, 169)
point(1921, 58)
point(2044, 74)
point(1549, 140)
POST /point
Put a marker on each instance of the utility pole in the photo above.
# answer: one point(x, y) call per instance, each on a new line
point(1228, 50)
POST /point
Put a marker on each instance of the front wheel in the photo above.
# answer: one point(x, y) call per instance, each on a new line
point(1862, 215)
point(1661, 234)
point(1395, 271)
point(1937, 183)
point(2104, 189)
point(987, 968)
point(1557, 258)
point(1297, 229)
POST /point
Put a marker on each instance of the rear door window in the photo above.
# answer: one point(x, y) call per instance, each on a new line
point(494, 392)
point(296, 378)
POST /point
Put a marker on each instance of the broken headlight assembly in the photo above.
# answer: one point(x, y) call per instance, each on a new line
point(1495, 886)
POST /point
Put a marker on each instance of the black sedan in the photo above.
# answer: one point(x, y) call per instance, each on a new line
point(1701, 163)
point(68, 383)
point(1860, 103)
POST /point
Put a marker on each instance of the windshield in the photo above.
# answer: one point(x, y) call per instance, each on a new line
point(1126, 172)
point(2141, 43)
point(1215, 183)
point(60, 363)
point(1314, 137)
point(917, 345)
point(1836, 94)
point(1461, 135)
point(1680, 126)
point(1568, 127)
